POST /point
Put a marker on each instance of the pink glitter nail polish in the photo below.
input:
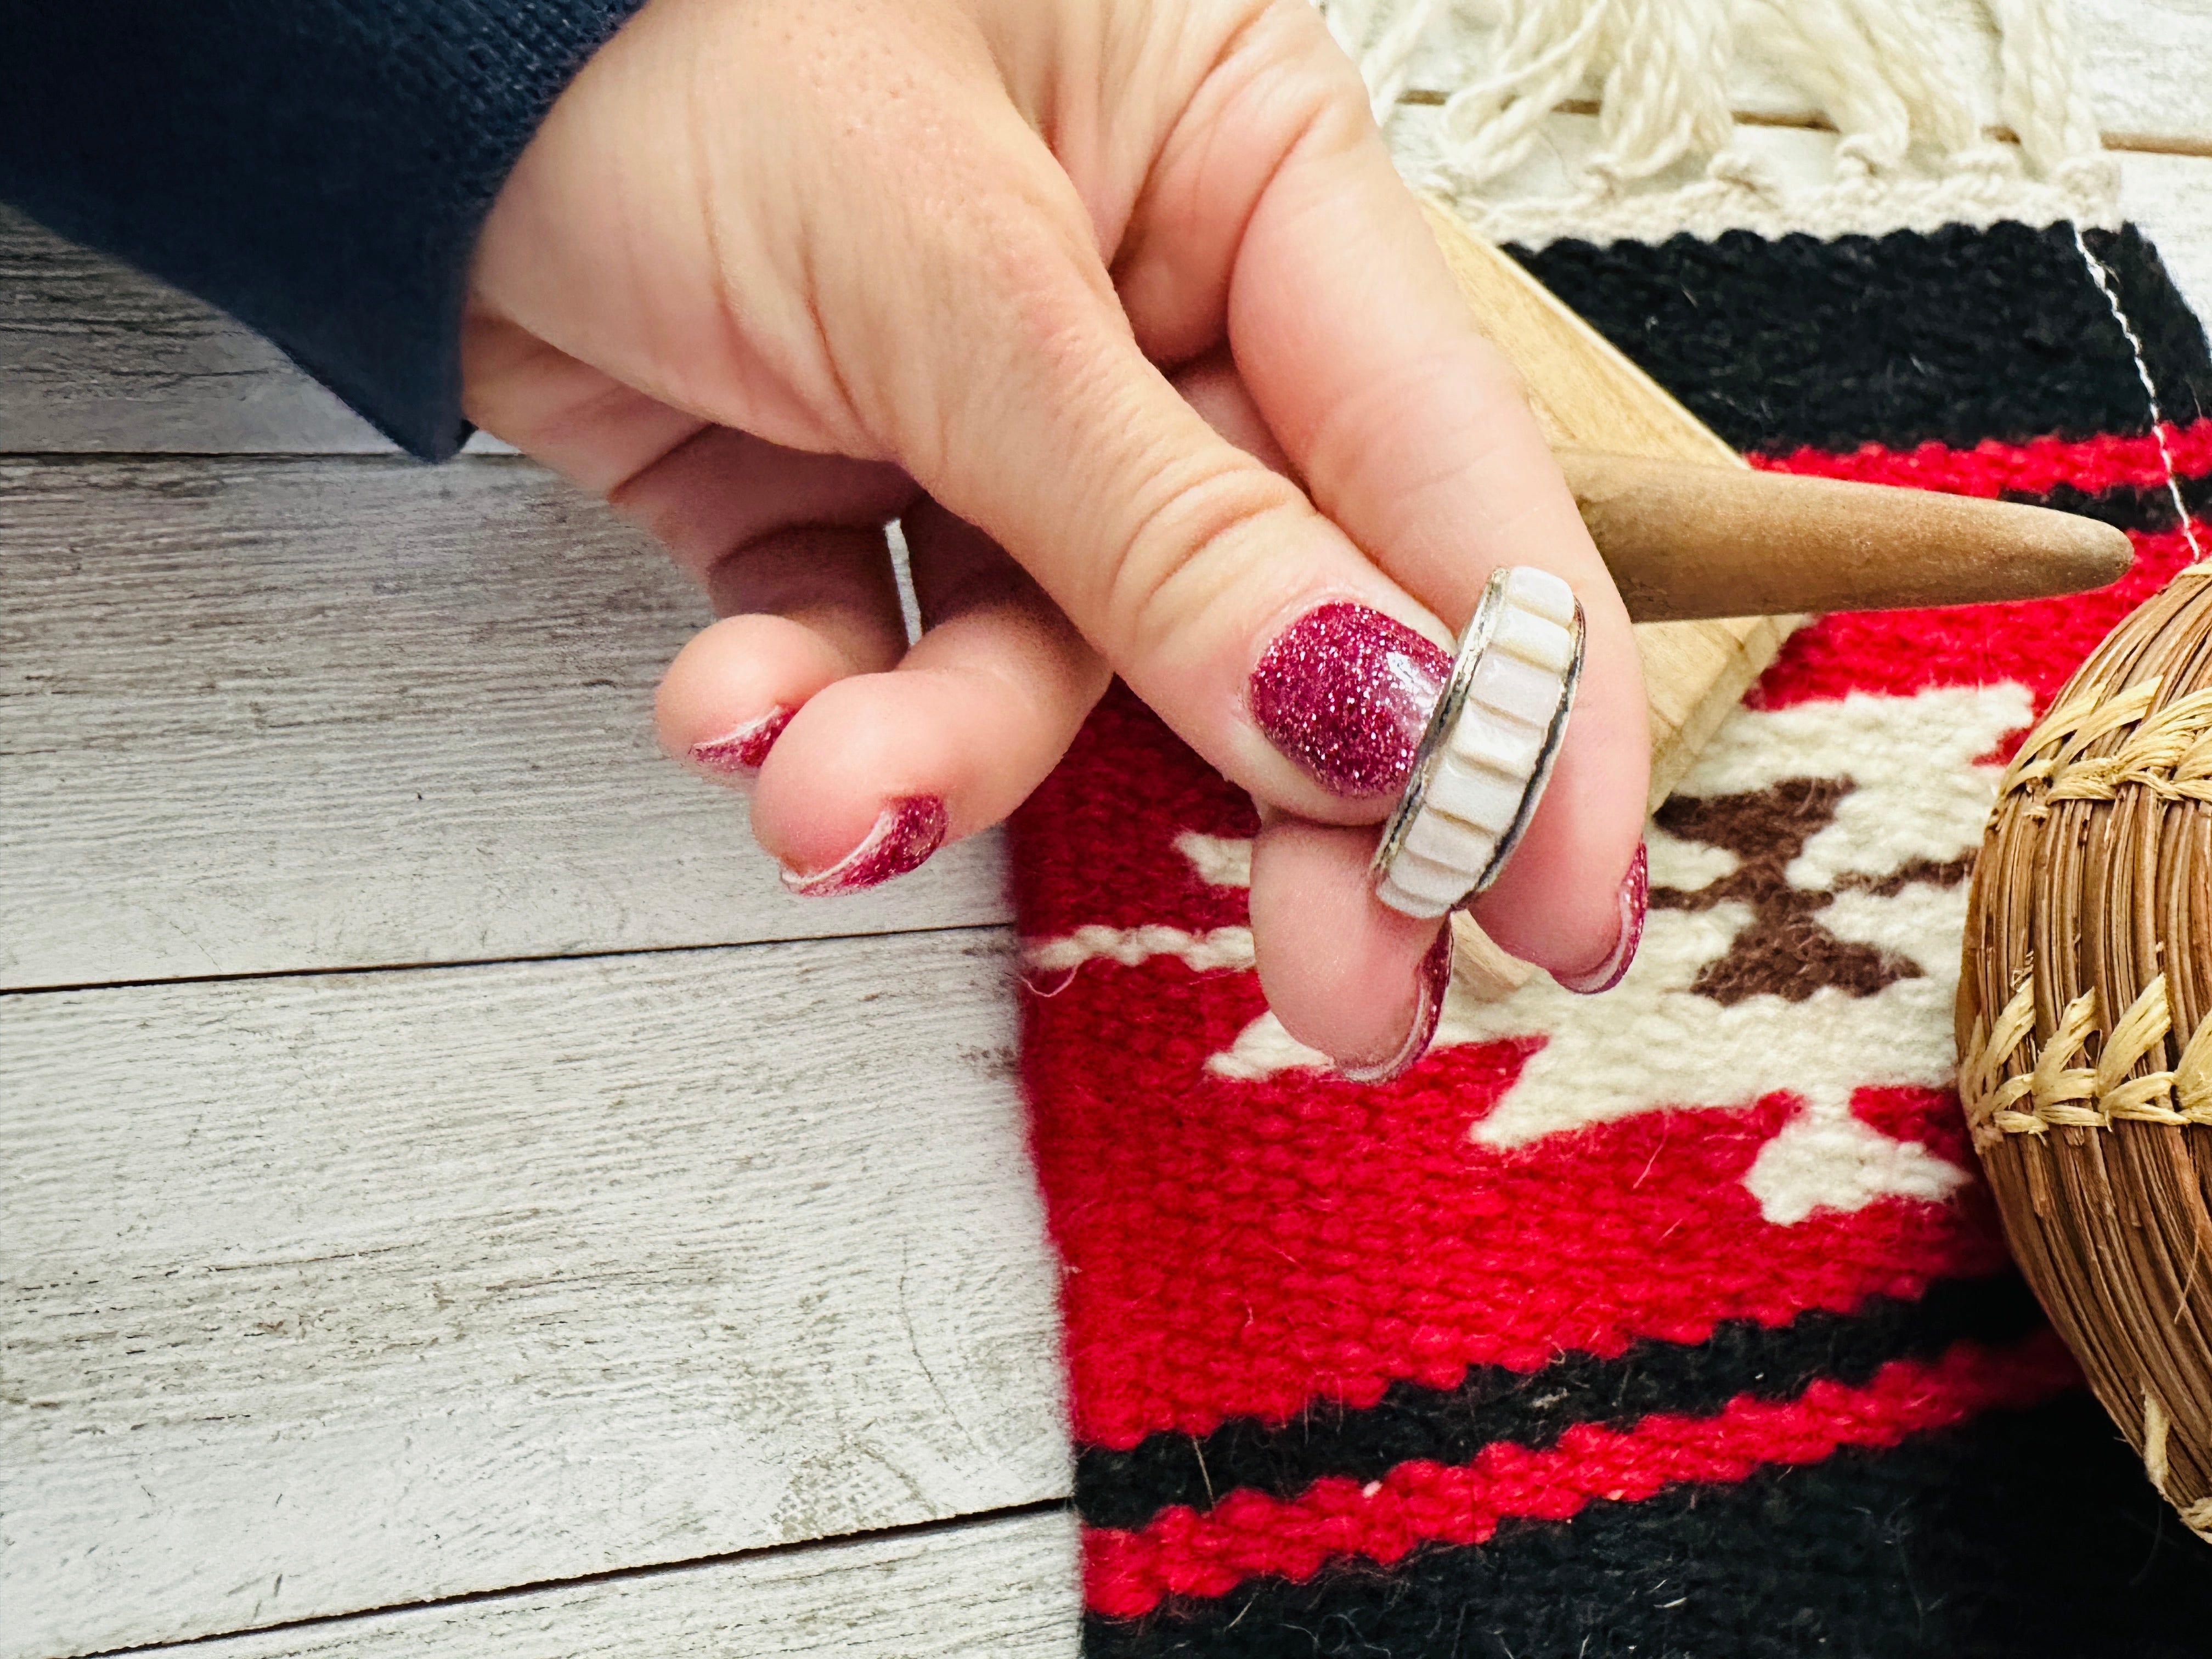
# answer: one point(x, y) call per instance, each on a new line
point(741, 752)
point(1344, 691)
point(908, 831)
point(1635, 903)
point(1435, 981)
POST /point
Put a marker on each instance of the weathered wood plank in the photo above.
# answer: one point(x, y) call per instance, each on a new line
point(2171, 197)
point(1002, 1587)
point(2143, 63)
point(334, 1293)
point(273, 715)
point(95, 357)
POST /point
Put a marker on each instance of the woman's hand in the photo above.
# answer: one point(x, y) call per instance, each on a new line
point(776, 272)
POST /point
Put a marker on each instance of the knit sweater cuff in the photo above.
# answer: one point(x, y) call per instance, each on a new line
point(319, 168)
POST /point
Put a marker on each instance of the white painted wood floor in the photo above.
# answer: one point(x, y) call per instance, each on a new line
point(454, 1203)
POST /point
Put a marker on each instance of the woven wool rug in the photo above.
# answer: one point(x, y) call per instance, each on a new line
point(1674, 1321)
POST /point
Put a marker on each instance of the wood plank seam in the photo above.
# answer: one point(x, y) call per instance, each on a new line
point(2147, 143)
point(998, 930)
point(950, 1525)
point(552, 1269)
point(445, 734)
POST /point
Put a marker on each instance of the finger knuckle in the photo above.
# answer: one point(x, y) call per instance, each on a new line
point(1198, 539)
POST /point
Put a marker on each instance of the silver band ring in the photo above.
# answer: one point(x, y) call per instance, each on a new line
point(1489, 747)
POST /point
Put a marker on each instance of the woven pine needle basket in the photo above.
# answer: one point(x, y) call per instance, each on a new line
point(2085, 1027)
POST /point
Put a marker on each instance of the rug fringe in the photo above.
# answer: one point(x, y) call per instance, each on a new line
point(1911, 144)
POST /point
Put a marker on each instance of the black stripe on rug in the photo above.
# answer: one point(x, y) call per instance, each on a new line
point(1127, 1488)
point(2127, 507)
point(2021, 1536)
point(1957, 335)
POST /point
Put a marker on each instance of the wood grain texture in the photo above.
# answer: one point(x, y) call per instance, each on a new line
point(331, 1293)
point(97, 356)
point(2144, 65)
point(273, 716)
point(2171, 197)
point(1006, 1588)
point(1585, 393)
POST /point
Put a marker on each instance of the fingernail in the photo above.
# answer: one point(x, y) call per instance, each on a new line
point(1435, 981)
point(908, 831)
point(1344, 691)
point(1635, 901)
point(740, 752)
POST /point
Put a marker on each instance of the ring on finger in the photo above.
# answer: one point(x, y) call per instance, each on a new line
point(1489, 746)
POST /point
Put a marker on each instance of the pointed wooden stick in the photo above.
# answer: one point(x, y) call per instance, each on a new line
point(1685, 541)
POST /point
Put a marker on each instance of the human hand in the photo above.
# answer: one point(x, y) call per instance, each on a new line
point(772, 276)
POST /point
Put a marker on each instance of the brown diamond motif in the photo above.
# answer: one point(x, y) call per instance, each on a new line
point(1784, 950)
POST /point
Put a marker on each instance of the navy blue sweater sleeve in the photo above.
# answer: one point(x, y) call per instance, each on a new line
point(319, 168)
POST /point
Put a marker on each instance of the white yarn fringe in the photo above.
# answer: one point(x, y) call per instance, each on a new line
point(1911, 151)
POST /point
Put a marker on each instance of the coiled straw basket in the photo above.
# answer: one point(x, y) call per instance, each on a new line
point(2085, 1027)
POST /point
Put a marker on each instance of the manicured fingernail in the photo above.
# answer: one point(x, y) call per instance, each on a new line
point(1435, 981)
point(908, 831)
point(1635, 901)
point(1344, 691)
point(740, 752)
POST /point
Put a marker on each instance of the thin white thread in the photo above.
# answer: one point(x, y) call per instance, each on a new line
point(2103, 277)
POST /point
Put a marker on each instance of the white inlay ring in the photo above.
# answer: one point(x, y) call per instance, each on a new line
point(1487, 750)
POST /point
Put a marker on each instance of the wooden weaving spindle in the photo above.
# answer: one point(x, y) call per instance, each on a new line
point(1686, 542)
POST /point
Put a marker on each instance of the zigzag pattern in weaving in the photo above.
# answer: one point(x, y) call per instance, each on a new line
point(2169, 753)
point(2053, 1092)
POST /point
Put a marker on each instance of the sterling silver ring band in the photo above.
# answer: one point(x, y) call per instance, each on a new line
point(1489, 747)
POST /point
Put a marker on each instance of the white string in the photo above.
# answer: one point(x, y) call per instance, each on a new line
point(1666, 96)
point(2101, 275)
point(1826, 54)
point(1880, 71)
point(1548, 46)
point(2039, 98)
